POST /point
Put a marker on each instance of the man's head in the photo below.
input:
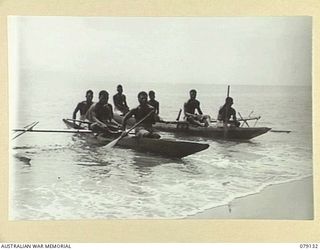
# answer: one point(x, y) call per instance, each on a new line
point(193, 94)
point(142, 97)
point(229, 101)
point(119, 89)
point(152, 95)
point(89, 95)
point(103, 97)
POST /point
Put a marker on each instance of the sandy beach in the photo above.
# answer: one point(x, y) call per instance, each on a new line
point(287, 201)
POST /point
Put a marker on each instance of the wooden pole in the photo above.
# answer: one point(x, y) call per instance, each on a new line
point(26, 129)
point(178, 118)
point(54, 130)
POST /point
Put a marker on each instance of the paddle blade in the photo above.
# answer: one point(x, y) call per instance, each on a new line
point(112, 143)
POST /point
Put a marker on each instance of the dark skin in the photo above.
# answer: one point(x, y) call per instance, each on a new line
point(144, 106)
point(119, 100)
point(227, 112)
point(102, 107)
point(83, 106)
point(154, 103)
point(191, 107)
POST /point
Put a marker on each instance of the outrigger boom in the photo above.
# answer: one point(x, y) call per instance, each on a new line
point(86, 131)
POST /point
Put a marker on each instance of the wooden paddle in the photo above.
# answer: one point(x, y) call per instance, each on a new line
point(26, 129)
point(114, 142)
point(178, 117)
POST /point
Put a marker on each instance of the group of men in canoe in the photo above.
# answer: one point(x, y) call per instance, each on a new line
point(101, 116)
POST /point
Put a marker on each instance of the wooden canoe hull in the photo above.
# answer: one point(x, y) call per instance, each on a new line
point(230, 133)
point(211, 132)
point(164, 147)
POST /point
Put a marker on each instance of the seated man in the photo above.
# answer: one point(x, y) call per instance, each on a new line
point(83, 106)
point(152, 101)
point(101, 116)
point(119, 101)
point(143, 110)
point(226, 112)
point(189, 109)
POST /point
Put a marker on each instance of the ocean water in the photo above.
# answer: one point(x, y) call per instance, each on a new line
point(62, 176)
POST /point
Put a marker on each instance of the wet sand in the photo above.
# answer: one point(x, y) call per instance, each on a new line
point(289, 201)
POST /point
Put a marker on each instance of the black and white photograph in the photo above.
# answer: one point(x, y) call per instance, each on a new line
point(160, 118)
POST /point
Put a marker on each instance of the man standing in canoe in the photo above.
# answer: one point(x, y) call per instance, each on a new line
point(83, 106)
point(101, 115)
point(189, 109)
point(226, 112)
point(119, 101)
point(143, 110)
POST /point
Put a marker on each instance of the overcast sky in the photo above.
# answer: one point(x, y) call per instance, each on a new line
point(229, 50)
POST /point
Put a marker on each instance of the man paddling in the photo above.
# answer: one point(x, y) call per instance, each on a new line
point(144, 109)
point(190, 108)
point(226, 112)
point(101, 115)
point(83, 107)
point(119, 101)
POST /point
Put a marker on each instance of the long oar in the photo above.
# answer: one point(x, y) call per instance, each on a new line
point(114, 142)
point(26, 129)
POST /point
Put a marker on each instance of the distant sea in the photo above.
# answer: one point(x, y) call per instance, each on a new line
point(61, 176)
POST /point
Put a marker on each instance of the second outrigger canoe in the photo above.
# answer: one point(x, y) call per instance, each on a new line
point(164, 147)
point(211, 132)
point(229, 133)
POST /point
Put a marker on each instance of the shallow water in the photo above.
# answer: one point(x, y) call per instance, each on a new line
point(62, 176)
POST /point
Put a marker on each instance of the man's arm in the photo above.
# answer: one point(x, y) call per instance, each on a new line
point(126, 118)
point(112, 120)
point(115, 102)
point(96, 120)
point(125, 102)
point(186, 114)
point(199, 109)
point(74, 115)
point(157, 108)
point(234, 116)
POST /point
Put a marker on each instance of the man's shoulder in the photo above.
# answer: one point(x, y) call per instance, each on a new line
point(152, 102)
point(82, 103)
point(93, 105)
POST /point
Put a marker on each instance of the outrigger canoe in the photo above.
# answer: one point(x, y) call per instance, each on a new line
point(229, 133)
point(164, 147)
point(212, 132)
